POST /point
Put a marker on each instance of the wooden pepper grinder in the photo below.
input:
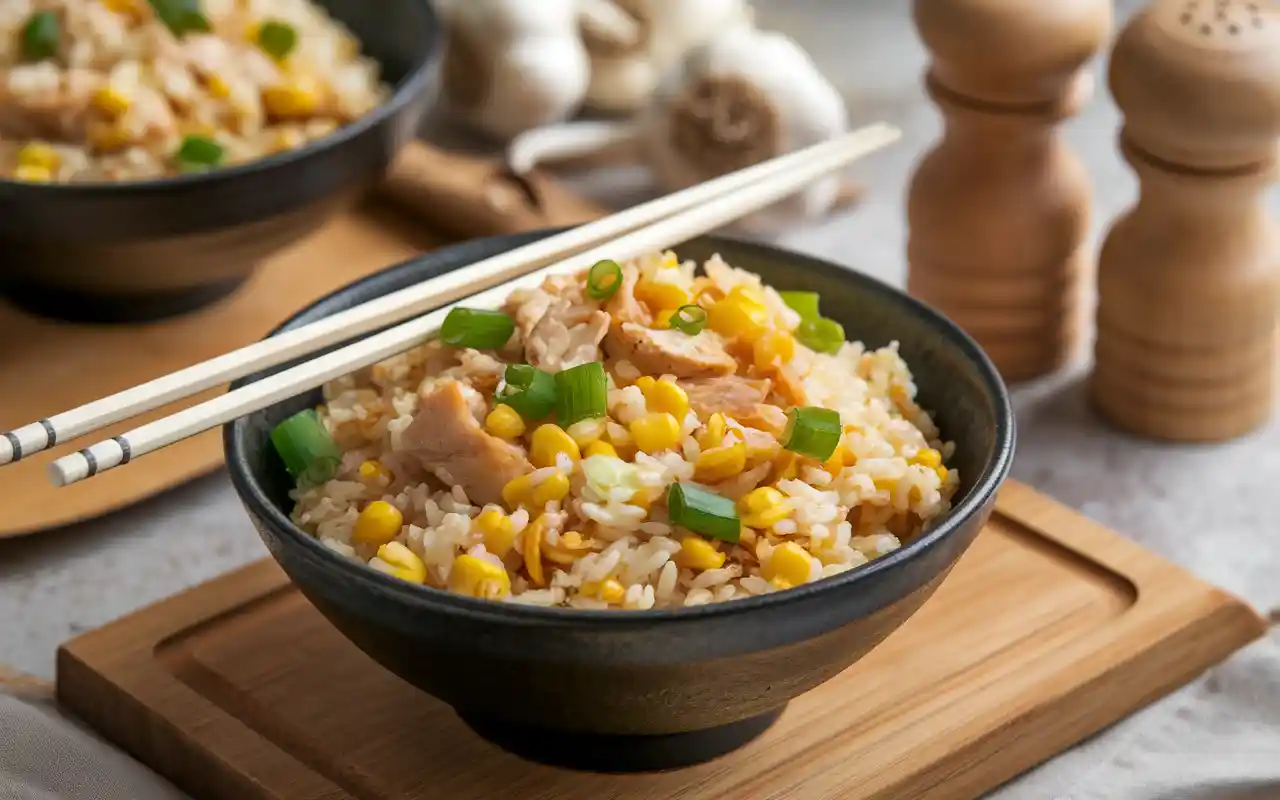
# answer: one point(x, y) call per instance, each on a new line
point(1189, 279)
point(998, 213)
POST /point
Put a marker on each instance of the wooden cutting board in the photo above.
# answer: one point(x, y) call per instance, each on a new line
point(1050, 628)
point(430, 199)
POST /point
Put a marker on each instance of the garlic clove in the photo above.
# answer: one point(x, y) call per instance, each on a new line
point(586, 140)
point(511, 65)
point(745, 97)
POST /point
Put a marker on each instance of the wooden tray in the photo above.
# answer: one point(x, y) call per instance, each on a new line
point(1051, 628)
point(430, 199)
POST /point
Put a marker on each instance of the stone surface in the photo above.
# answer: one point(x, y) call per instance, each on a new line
point(1210, 508)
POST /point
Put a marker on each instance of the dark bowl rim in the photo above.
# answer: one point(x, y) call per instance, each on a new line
point(410, 86)
point(428, 598)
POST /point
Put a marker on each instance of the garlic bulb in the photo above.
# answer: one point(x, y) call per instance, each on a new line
point(632, 43)
point(745, 97)
point(513, 65)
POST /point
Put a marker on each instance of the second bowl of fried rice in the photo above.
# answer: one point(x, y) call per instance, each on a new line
point(620, 521)
point(153, 152)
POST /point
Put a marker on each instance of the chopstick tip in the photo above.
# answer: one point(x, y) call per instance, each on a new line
point(68, 470)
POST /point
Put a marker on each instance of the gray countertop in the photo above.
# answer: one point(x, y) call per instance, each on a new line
point(1209, 508)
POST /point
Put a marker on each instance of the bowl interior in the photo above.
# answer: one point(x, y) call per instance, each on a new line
point(956, 381)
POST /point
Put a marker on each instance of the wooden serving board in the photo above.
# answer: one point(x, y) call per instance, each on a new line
point(1050, 628)
point(430, 199)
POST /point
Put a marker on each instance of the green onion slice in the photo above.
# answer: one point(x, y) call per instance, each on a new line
point(529, 391)
point(308, 451)
point(812, 431)
point(476, 328)
point(199, 152)
point(803, 303)
point(821, 335)
point(703, 512)
point(41, 36)
point(581, 393)
point(690, 319)
point(603, 279)
point(181, 16)
point(277, 39)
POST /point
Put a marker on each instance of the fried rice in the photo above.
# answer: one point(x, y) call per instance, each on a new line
point(440, 482)
point(113, 90)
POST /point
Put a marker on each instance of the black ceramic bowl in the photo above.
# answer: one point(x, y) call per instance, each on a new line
point(143, 250)
point(619, 691)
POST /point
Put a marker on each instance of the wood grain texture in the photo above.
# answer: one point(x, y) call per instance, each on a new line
point(431, 199)
point(999, 211)
point(1049, 629)
point(1188, 278)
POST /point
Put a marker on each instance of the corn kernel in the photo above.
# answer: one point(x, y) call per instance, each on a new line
point(553, 489)
point(567, 550)
point(218, 87)
point(600, 448)
point(548, 443)
point(660, 295)
point(297, 97)
point(521, 491)
point(942, 473)
point(655, 432)
point(790, 562)
point(479, 577)
point(786, 466)
point(608, 590)
point(378, 523)
point(662, 320)
point(780, 583)
point(30, 174)
point(928, 457)
point(39, 154)
point(107, 138)
point(288, 139)
point(404, 563)
point(645, 384)
point(670, 260)
point(763, 507)
point(120, 6)
point(111, 102)
point(533, 549)
point(375, 472)
point(666, 395)
point(721, 463)
point(697, 553)
point(498, 530)
point(739, 316)
point(713, 432)
point(840, 458)
point(772, 349)
point(504, 422)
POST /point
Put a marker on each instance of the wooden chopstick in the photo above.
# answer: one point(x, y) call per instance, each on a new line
point(665, 233)
point(388, 309)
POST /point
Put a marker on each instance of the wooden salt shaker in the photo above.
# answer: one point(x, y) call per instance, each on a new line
point(998, 213)
point(1189, 279)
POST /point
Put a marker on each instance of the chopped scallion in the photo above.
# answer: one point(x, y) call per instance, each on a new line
point(529, 391)
point(181, 16)
point(277, 39)
point(581, 393)
point(41, 36)
point(603, 279)
point(812, 431)
point(199, 152)
point(308, 451)
point(821, 335)
point(703, 512)
point(690, 319)
point(477, 328)
point(803, 303)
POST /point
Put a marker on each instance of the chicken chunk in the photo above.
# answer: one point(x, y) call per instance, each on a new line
point(669, 352)
point(448, 441)
point(740, 398)
point(559, 326)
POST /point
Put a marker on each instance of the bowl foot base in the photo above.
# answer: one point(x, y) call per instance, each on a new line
point(618, 753)
point(69, 305)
